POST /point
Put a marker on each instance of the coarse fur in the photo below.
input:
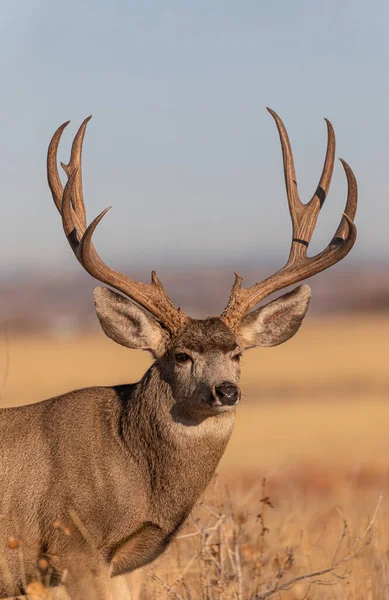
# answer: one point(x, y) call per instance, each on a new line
point(98, 481)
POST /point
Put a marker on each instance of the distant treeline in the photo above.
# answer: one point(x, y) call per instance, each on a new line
point(63, 302)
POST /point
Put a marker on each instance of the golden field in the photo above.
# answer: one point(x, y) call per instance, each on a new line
point(314, 421)
point(322, 396)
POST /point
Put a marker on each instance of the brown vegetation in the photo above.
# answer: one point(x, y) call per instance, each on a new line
point(259, 542)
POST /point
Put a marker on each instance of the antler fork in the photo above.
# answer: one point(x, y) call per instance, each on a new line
point(304, 217)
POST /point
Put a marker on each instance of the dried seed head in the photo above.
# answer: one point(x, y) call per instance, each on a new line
point(13, 543)
point(43, 564)
point(37, 591)
point(241, 518)
point(59, 525)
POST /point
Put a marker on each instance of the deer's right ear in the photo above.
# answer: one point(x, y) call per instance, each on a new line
point(126, 323)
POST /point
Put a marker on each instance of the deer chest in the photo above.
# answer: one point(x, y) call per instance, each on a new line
point(141, 548)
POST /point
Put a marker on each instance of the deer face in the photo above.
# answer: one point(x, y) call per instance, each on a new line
point(203, 366)
point(201, 362)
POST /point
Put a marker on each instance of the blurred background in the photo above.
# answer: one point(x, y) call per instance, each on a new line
point(181, 146)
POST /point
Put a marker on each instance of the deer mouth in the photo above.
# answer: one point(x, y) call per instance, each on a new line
point(217, 408)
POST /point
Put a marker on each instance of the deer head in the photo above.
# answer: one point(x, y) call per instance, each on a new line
point(199, 359)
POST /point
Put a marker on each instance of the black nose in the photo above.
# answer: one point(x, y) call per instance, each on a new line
point(227, 393)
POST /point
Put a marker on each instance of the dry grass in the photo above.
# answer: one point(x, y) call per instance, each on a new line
point(314, 422)
point(252, 540)
point(273, 542)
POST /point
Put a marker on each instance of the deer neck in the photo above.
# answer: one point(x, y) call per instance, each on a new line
point(178, 450)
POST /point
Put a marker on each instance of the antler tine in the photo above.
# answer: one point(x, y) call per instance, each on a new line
point(151, 296)
point(73, 227)
point(53, 179)
point(294, 201)
point(304, 218)
point(70, 204)
point(73, 165)
point(73, 213)
point(351, 204)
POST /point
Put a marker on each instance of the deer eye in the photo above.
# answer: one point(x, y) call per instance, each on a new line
point(237, 357)
point(181, 357)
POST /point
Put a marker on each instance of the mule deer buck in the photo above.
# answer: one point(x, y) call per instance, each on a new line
point(120, 468)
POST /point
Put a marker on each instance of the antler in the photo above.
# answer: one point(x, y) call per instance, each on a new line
point(304, 217)
point(70, 204)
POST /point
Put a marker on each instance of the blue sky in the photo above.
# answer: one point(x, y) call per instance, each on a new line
point(180, 143)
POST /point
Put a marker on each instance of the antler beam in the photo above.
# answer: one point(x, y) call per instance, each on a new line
point(70, 204)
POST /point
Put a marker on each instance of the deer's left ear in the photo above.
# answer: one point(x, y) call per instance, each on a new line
point(277, 321)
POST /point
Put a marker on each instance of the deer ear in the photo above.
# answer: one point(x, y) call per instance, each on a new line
point(277, 321)
point(126, 323)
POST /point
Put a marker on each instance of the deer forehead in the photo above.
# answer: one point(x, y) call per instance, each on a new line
point(206, 335)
